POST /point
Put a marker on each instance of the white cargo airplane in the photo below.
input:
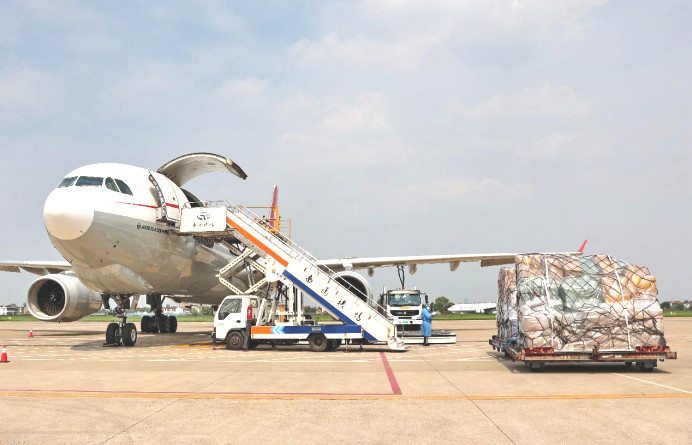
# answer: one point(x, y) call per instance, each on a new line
point(115, 226)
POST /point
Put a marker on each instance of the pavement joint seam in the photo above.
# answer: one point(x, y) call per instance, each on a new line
point(175, 400)
point(469, 399)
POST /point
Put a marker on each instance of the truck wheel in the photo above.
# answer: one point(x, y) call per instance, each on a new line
point(318, 342)
point(335, 343)
point(234, 341)
point(129, 334)
point(536, 366)
point(646, 366)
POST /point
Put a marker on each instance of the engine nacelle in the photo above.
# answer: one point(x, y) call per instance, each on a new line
point(61, 297)
point(355, 283)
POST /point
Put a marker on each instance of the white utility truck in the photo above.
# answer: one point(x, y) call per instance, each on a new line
point(404, 306)
point(235, 324)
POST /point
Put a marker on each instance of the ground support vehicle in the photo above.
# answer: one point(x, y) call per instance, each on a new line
point(235, 324)
point(645, 357)
point(283, 266)
point(405, 307)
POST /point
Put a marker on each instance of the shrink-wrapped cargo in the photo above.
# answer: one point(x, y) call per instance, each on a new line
point(579, 303)
point(507, 304)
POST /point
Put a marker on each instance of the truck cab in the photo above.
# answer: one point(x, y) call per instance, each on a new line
point(404, 306)
point(231, 319)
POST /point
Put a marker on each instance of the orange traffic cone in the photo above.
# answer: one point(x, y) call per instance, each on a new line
point(31, 333)
point(3, 359)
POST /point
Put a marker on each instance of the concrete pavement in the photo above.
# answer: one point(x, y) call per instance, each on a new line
point(63, 386)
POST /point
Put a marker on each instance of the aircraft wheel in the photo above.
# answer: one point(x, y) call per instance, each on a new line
point(235, 340)
point(111, 333)
point(318, 342)
point(153, 325)
point(174, 324)
point(129, 334)
point(144, 325)
point(164, 324)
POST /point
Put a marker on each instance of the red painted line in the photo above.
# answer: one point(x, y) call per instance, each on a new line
point(257, 242)
point(390, 375)
point(175, 206)
point(140, 205)
point(190, 393)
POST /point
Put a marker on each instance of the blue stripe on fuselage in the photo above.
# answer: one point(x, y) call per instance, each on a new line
point(324, 302)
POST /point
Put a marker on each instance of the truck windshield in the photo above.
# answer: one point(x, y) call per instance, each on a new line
point(231, 306)
point(404, 300)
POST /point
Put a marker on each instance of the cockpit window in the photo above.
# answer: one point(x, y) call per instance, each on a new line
point(89, 181)
point(123, 187)
point(111, 184)
point(67, 181)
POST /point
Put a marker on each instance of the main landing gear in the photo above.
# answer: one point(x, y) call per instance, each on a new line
point(163, 324)
point(158, 323)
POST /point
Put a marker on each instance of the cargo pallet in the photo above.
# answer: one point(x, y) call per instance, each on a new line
point(646, 357)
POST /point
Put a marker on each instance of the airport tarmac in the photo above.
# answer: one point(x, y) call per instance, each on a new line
point(63, 386)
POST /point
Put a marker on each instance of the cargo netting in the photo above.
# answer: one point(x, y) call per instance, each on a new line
point(578, 303)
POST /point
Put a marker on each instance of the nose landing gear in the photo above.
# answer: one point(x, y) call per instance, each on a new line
point(122, 332)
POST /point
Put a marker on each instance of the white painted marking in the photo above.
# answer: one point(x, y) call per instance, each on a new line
point(653, 383)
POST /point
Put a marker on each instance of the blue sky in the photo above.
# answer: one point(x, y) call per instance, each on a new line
point(391, 128)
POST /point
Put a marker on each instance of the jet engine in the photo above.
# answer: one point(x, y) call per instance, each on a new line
point(355, 283)
point(61, 297)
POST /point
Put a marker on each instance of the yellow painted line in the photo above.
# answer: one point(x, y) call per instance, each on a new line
point(144, 395)
point(197, 345)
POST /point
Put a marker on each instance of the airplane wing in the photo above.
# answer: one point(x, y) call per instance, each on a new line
point(184, 168)
point(489, 259)
point(35, 267)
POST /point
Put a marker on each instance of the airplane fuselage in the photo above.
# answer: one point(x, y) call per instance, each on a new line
point(105, 220)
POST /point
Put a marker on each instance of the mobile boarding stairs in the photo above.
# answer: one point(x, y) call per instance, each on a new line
point(284, 262)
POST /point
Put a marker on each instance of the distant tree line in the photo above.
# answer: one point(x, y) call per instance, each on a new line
point(675, 305)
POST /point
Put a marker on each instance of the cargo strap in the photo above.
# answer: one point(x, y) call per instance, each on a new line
point(622, 295)
point(550, 306)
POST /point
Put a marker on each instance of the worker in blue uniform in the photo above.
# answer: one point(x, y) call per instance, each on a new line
point(426, 325)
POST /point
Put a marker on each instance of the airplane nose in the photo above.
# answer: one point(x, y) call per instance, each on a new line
point(67, 216)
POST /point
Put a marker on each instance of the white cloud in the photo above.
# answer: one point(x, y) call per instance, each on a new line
point(408, 32)
point(342, 133)
point(453, 189)
point(145, 89)
point(560, 145)
point(547, 101)
point(27, 93)
point(369, 113)
point(242, 88)
point(490, 17)
point(363, 51)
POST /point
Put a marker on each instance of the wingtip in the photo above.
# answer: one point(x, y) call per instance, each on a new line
point(583, 246)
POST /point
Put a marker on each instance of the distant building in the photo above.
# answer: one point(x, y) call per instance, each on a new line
point(10, 309)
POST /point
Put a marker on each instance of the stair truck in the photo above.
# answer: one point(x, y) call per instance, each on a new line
point(283, 266)
point(235, 324)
